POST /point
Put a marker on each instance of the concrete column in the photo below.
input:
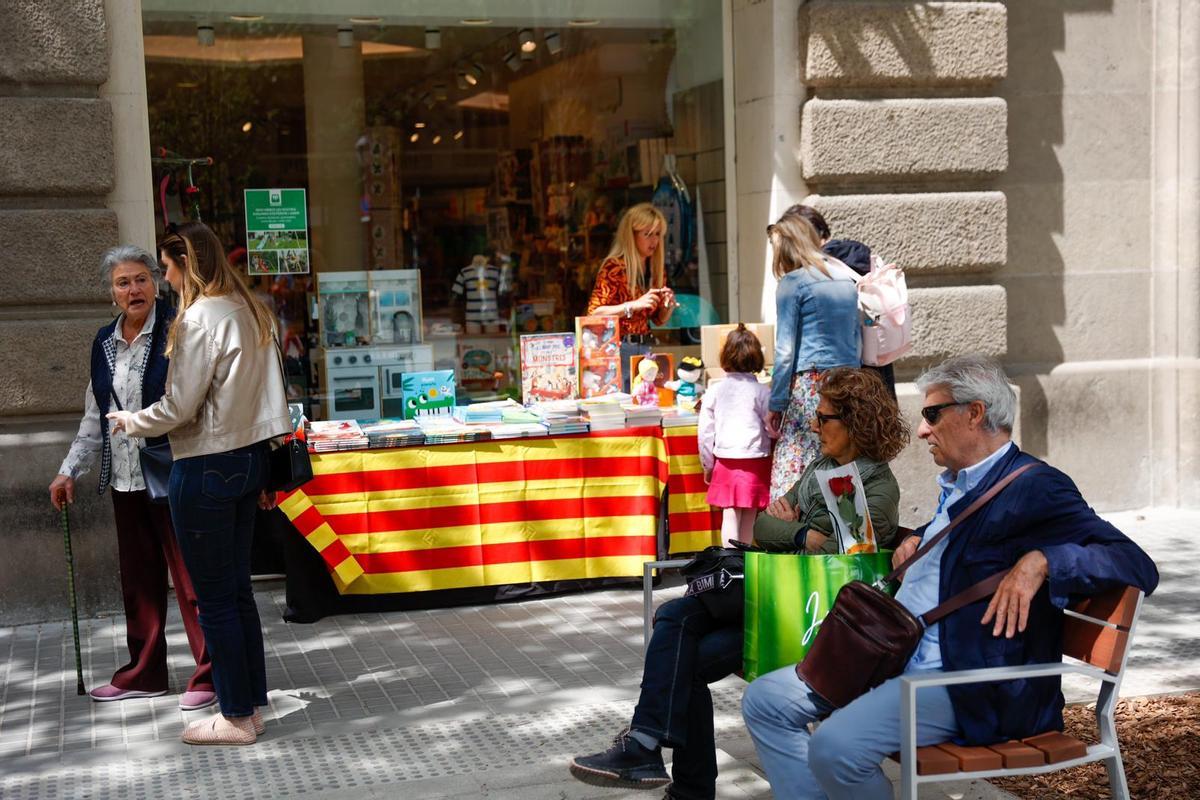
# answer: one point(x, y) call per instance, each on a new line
point(125, 91)
point(1175, 257)
point(334, 118)
point(767, 94)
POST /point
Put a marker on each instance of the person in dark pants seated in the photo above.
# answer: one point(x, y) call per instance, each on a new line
point(689, 649)
point(1039, 525)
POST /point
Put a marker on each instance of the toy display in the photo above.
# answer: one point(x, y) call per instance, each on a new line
point(687, 386)
point(396, 306)
point(479, 286)
point(664, 364)
point(645, 393)
point(345, 308)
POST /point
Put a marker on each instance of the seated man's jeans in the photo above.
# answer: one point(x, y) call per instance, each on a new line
point(688, 650)
point(841, 760)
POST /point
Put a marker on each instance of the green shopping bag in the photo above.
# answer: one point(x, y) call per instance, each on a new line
point(787, 597)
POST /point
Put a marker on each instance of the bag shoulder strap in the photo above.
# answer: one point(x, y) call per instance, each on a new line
point(979, 503)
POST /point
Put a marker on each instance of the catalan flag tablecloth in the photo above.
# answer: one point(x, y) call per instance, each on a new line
point(498, 512)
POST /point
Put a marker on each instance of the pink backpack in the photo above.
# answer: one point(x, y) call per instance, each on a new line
point(887, 322)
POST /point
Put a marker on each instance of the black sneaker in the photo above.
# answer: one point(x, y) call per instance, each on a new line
point(628, 764)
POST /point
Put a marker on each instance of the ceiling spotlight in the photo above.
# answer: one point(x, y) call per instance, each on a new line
point(437, 138)
point(433, 38)
point(460, 80)
point(474, 74)
point(247, 126)
point(414, 138)
point(458, 135)
point(205, 34)
point(476, 21)
point(553, 42)
point(366, 20)
point(511, 61)
point(528, 43)
point(345, 36)
point(582, 23)
point(246, 17)
point(418, 124)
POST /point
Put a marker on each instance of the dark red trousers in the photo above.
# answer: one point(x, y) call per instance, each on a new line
point(147, 549)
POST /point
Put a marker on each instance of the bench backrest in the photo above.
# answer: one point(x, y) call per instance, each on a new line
point(1097, 628)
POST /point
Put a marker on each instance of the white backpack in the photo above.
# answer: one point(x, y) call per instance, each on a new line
point(886, 319)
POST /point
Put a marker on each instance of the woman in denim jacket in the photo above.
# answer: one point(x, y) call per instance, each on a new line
point(817, 328)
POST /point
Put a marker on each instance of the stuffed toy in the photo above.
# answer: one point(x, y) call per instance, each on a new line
point(645, 392)
point(687, 388)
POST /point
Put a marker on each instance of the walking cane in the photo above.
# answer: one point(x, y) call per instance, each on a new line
point(66, 529)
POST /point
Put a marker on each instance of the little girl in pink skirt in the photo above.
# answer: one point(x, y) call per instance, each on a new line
point(735, 443)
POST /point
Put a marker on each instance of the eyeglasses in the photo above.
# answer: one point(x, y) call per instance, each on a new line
point(823, 418)
point(933, 413)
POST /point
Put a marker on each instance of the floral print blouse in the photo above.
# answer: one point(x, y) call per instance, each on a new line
point(612, 289)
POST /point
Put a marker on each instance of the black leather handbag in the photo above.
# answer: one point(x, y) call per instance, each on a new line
point(155, 459)
point(289, 466)
point(716, 577)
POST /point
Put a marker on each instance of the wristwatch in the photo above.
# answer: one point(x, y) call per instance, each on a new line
point(628, 311)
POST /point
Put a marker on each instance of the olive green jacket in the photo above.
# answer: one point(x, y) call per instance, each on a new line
point(883, 503)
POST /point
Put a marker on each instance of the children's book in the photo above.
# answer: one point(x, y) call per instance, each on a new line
point(427, 393)
point(548, 367)
point(599, 343)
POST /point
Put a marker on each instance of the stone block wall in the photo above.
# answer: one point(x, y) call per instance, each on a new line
point(56, 170)
point(903, 138)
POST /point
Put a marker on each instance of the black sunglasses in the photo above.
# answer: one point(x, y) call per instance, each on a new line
point(823, 418)
point(933, 413)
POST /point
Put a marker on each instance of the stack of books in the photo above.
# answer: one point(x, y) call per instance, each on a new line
point(516, 430)
point(640, 416)
point(393, 432)
point(484, 413)
point(327, 436)
point(447, 430)
point(561, 417)
point(603, 413)
point(679, 417)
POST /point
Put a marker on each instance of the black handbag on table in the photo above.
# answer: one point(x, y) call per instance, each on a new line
point(155, 459)
point(289, 466)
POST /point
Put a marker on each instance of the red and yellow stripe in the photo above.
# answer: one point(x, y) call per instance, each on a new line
point(693, 523)
point(485, 513)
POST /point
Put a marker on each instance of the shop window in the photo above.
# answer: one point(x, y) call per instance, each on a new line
point(462, 177)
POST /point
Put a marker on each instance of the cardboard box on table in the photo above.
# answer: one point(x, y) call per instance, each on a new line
point(712, 339)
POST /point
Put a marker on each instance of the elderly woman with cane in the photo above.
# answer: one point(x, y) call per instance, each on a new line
point(129, 370)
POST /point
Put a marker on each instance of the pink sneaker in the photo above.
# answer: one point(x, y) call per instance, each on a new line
point(108, 693)
point(195, 699)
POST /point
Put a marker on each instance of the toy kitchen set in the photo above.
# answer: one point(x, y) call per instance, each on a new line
point(371, 333)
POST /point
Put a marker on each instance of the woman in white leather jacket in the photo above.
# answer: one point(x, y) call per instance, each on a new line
point(223, 404)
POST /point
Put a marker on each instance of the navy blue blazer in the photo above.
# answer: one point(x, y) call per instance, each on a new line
point(1041, 510)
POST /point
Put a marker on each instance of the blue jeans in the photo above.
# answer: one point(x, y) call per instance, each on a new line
point(840, 760)
point(688, 650)
point(213, 502)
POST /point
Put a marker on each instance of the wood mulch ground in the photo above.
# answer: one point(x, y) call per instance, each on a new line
point(1160, 742)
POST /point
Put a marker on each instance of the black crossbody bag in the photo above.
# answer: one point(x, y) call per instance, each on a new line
point(155, 459)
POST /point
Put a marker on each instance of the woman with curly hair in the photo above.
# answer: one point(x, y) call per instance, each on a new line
point(856, 420)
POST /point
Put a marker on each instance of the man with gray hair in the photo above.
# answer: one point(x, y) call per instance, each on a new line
point(1039, 529)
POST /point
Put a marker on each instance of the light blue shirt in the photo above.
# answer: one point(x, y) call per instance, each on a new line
point(921, 588)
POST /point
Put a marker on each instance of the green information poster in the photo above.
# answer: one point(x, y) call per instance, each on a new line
point(276, 231)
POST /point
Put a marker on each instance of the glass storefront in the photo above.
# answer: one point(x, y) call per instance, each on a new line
point(462, 172)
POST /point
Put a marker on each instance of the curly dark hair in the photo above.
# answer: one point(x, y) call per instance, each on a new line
point(869, 413)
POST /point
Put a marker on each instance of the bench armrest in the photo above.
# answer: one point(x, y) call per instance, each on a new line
point(992, 674)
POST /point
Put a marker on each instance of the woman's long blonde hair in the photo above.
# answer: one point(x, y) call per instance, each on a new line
point(795, 243)
point(643, 216)
point(197, 252)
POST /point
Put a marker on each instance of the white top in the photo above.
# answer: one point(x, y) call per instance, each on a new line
point(921, 589)
point(732, 423)
point(126, 473)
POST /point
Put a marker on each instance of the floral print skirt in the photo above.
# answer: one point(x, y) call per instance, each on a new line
point(798, 445)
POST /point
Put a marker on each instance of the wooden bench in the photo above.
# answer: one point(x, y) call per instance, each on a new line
point(1096, 633)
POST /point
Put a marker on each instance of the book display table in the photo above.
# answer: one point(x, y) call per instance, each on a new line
point(439, 525)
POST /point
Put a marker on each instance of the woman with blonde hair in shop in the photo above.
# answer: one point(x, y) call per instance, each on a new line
point(224, 402)
point(632, 283)
point(817, 327)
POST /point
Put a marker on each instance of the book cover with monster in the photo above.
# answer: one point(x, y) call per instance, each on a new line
point(427, 393)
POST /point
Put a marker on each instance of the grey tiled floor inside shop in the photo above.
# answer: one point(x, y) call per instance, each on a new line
point(486, 701)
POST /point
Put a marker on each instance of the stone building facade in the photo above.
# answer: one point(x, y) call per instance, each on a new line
point(1034, 165)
